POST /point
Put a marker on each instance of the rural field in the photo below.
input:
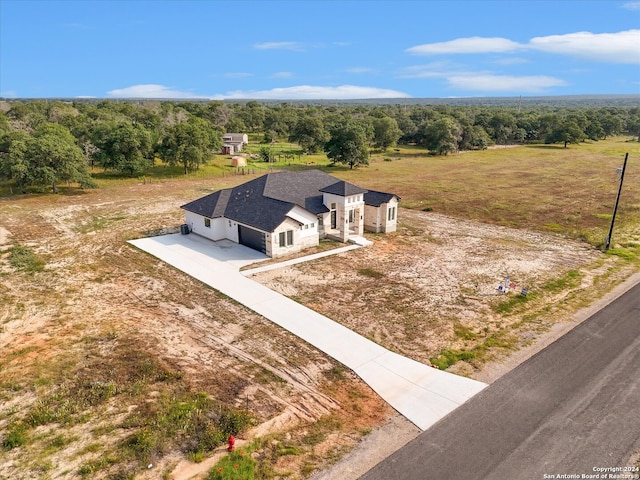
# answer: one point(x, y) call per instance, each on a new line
point(114, 365)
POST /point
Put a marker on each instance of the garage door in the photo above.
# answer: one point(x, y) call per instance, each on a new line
point(251, 238)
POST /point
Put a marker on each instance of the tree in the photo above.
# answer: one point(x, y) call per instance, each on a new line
point(252, 114)
point(123, 147)
point(594, 130)
point(54, 157)
point(611, 124)
point(348, 145)
point(442, 136)
point(502, 126)
point(310, 134)
point(13, 162)
point(47, 157)
point(407, 127)
point(568, 132)
point(189, 144)
point(473, 137)
point(385, 132)
point(265, 154)
point(280, 120)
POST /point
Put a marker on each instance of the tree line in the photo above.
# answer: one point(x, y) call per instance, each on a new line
point(43, 143)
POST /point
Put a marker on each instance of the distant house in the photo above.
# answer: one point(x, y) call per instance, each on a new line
point(234, 142)
point(285, 212)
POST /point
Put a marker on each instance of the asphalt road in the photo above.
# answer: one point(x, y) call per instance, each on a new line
point(571, 408)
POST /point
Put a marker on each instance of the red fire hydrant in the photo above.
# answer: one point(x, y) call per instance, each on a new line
point(232, 443)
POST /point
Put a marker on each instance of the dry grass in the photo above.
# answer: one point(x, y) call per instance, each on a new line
point(543, 187)
point(110, 333)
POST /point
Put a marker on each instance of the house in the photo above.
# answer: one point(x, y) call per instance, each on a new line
point(233, 143)
point(285, 212)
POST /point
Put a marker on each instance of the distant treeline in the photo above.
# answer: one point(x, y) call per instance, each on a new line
point(44, 142)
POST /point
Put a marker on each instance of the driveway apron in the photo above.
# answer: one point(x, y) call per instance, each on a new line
point(421, 393)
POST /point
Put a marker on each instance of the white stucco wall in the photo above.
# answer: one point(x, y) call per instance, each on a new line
point(196, 223)
point(376, 219)
point(220, 227)
point(230, 230)
point(372, 218)
point(300, 240)
point(390, 225)
point(343, 205)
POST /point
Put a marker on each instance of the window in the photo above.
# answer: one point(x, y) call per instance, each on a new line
point(207, 222)
point(285, 239)
point(392, 213)
point(333, 206)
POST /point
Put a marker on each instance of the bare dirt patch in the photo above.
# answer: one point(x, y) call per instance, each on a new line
point(101, 309)
point(433, 285)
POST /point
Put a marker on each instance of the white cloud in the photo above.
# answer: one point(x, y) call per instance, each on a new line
point(309, 92)
point(151, 91)
point(505, 83)
point(8, 94)
point(467, 45)
point(295, 46)
point(631, 5)
point(620, 47)
point(430, 70)
point(510, 61)
point(282, 75)
point(485, 81)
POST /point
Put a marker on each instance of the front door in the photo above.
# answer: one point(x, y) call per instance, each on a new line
point(334, 220)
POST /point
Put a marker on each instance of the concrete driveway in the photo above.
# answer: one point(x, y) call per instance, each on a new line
point(421, 393)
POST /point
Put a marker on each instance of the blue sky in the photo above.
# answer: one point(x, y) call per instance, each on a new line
point(303, 49)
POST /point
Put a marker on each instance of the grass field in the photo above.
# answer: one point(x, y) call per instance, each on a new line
point(545, 187)
point(569, 191)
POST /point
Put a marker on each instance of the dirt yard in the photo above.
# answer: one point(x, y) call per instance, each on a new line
point(428, 291)
point(432, 285)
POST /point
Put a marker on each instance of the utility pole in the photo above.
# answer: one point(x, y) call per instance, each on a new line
point(615, 209)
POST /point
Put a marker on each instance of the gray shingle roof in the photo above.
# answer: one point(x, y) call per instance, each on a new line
point(301, 188)
point(343, 189)
point(375, 199)
point(212, 205)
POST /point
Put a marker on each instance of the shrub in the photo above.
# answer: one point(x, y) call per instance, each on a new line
point(16, 437)
point(370, 272)
point(238, 465)
point(24, 259)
